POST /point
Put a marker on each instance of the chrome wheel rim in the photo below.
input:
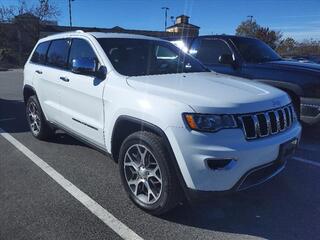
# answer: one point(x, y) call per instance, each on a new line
point(142, 173)
point(34, 118)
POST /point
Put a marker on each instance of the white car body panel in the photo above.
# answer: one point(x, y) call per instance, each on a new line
point(212, 93)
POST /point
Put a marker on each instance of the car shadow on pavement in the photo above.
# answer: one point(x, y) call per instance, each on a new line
point(12, 116)
point(286, 207)
point(13, 120)
point(311, 133)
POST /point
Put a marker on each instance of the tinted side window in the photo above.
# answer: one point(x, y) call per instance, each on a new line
point(39, 55)
point(80, 48)
point(195, 47)
point(210, 51)
point(165, 53)
point(58, 53)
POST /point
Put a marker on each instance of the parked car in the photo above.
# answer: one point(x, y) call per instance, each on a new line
point(253, 59)
point(174, 127)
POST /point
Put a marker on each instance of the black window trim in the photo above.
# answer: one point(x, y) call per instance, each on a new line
point(92, 47)
point(53, 66)
point(67, 69)
point(45, 61)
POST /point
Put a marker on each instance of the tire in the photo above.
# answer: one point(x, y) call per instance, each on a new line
point(38, 125)
point(161, 198)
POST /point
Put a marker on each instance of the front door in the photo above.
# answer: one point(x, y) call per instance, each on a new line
point(81, 97)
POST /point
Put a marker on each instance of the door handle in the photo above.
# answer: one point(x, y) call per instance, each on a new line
point(38, 71)
point(65, 79)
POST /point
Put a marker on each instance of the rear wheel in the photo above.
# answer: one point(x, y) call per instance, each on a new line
point(146, 173)
point(36, 120)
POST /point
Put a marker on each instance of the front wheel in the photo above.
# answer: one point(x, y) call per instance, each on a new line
point(146, 173)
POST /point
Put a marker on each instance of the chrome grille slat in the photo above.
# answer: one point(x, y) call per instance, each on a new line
point(256, 125)
point(289, 113)
point(270, 122)
point(284, 119)
point(277, 120)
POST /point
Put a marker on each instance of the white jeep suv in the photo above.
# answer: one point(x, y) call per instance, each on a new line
point(174, 127)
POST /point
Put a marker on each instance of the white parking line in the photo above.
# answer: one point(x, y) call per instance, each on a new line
point(314, 163)
point(7, 119)
point(111, 221)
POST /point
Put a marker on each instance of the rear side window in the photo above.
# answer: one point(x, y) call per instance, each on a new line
point(39, 55)
point(58, 53)
point(80, 48)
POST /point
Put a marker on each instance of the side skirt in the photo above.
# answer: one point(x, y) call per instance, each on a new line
point(81, 138)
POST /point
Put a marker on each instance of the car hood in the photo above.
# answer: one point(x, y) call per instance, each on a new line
point(292, 65)
point(209, 92)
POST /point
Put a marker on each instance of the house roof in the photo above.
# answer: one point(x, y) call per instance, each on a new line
point(30, 15)
point(182, 15)
point(183, 25)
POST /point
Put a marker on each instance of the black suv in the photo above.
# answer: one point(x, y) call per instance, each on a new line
point(251, 58)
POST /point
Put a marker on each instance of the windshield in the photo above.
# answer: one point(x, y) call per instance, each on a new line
point(137, 57)
point(255, 51)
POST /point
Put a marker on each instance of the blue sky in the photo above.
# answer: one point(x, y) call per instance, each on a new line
point(297, 18)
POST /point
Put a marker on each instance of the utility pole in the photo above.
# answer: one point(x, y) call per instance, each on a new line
point(251, 18)
point(165, 17)
point(70, 16)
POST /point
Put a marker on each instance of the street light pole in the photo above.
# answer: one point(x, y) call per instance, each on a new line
point(165, 17)
point(70, 16)
point(251, 17)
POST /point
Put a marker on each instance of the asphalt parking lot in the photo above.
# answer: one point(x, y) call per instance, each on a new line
point(33, 205)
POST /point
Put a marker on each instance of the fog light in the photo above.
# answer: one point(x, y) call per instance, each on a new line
point(220, 163)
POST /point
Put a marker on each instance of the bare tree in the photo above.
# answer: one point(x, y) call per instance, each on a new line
point(6, 13)
point(43, 9)
point(46, 10)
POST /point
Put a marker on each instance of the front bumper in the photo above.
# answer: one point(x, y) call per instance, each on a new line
point(193, 149)
point(310, 110)
point(253, 177)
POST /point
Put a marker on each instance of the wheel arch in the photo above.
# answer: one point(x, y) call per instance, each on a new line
point(126, 125)
point(28, 91)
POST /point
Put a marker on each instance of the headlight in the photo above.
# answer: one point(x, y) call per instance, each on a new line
point(208, 122)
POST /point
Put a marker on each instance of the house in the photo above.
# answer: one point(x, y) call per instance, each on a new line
point(183, 27)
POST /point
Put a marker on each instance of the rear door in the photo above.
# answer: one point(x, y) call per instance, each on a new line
point(33, 69)
point(48, 84)
point(81, 97)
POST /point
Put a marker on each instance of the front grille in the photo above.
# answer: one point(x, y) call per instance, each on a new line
point(263, 124)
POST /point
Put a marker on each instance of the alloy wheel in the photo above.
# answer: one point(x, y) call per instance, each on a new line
point(34, 118)
point(142, 174)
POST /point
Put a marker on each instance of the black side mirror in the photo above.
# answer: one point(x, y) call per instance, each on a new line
point(227, 59)
point(101, 73)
